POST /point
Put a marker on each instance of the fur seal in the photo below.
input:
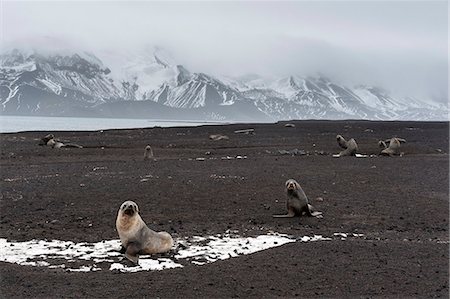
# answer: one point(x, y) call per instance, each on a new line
point(136, 237)
point(297, 202)
point(50, 140)
point(216, 137)
point(350, 147)
point(46, 139)
point(391, 147)
point(148, 152)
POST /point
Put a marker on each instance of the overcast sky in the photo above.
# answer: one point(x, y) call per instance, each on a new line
point(401, 45)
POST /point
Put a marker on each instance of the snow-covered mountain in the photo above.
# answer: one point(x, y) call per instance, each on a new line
point(151, 85)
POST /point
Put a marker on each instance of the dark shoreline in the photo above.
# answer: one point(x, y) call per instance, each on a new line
point(218, 123)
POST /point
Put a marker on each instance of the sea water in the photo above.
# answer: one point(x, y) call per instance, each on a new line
point(12, 124)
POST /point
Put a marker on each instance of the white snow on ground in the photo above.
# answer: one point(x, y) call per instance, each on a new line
point(197, 250)
point(224, 247)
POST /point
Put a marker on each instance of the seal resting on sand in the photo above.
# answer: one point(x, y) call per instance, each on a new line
point(297, 202)
point(50, 140)
point(391, 147)
point(46, 139)
point(350, 147)
point(136, 237)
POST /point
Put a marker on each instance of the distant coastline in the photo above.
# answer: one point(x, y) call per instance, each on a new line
point(14, 124)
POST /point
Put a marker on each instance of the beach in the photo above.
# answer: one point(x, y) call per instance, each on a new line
point(385, 219)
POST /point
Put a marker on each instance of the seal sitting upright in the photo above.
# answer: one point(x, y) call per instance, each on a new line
point(148, 152)
point(136, 237)
point(297, 202)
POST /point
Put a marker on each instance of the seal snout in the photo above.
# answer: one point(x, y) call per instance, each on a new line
point(129, 211)
point(291, 185)
point(129, 208)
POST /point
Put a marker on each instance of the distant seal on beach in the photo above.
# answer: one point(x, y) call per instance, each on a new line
point(148, 152)
point(136, 237)
point(297, 202)
point(350, 147)
point(50, 140)
point(216, 137)
point(46, 139)
point(391, 147)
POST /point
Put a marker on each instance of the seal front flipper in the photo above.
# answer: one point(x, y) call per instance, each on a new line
point(132, 252)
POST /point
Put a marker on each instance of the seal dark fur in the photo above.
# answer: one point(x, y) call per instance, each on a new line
point(297, 202)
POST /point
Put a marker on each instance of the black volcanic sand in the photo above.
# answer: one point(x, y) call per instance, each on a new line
point(400, 204)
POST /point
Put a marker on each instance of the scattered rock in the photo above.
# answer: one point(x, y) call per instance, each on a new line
point(319, 199)
point(294, 152)
point(289, 125)
point(321, 153)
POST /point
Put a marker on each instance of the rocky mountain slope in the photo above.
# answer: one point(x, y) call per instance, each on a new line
point(152, 85)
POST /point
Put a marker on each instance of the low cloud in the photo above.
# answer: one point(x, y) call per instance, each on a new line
point(399, 46)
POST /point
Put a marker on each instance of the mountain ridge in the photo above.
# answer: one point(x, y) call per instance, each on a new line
point(55, 84)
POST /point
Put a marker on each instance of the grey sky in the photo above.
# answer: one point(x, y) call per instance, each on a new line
point(401, 45)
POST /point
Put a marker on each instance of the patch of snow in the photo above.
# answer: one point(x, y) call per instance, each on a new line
point(314, 238)
point(224, 247)
point(198, 250)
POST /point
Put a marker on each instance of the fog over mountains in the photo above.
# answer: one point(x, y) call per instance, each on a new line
point(152, 85)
